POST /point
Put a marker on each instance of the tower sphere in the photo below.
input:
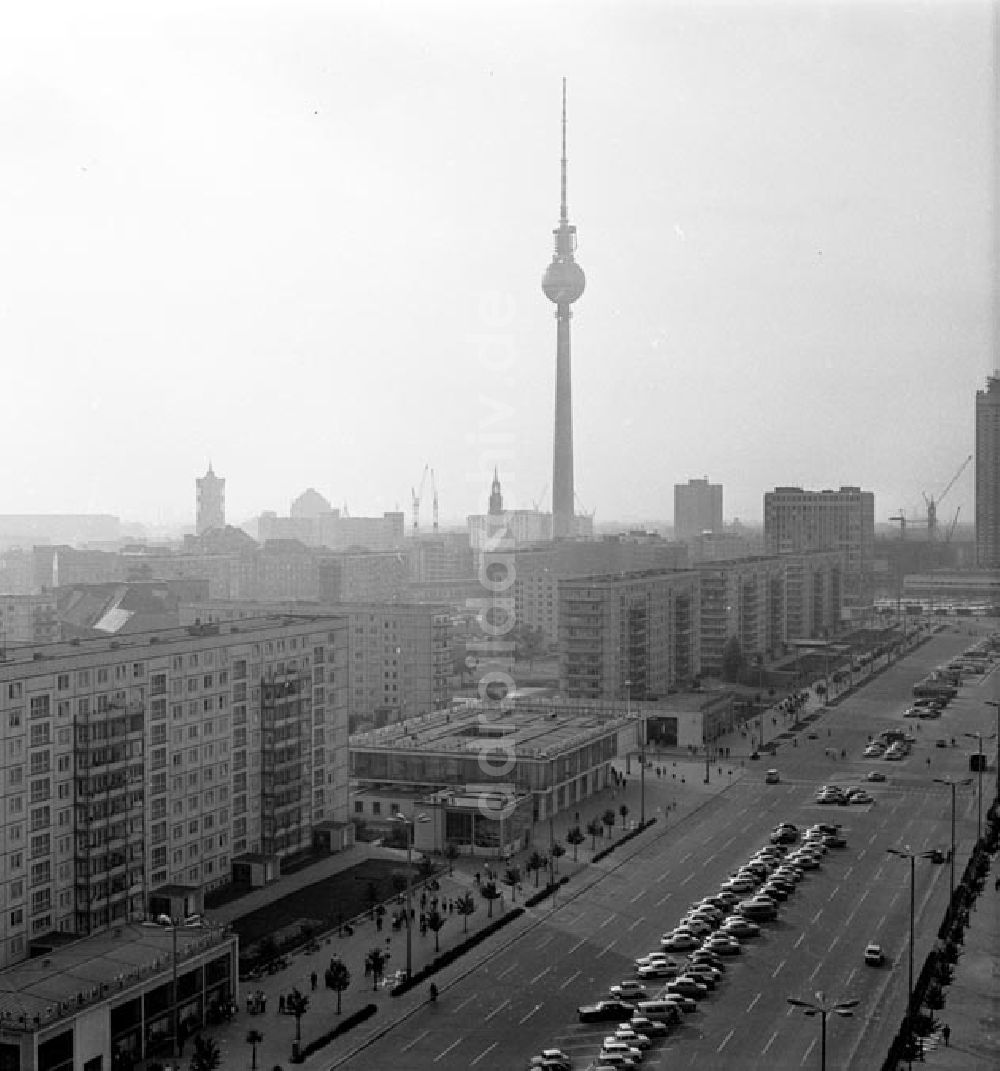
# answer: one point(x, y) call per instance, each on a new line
point(563, 281)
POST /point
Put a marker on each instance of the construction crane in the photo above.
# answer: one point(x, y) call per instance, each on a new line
point(537, 504)
point(416, 496)
point(951, 527)
point(900, 519)
point(932, 503)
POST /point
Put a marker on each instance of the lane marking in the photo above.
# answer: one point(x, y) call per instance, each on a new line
point(441, 1056)
point(763, 1051)
point(836, 889)
point(774, 973)
point(812, 1045)
point(575, 974)
point(641, 918)
point(685, 858)
point(861, 854)
point(542, 944)
point(606, 922)
point(506, 971)
point(688, 878)
point(485, 1052)
point(815, 917)
point(863, 895)
point(871, 839)
point(541, 974)
point(582, 941)
point(410, 1044)
point(606, 948)
point(801, 938)
point(815, 970)
point(459, 1007)
point(663, 900)
point(638, 896)
point(525, 1018)
point(847, 873)
point(833, 942)
point(880, 924)
point(750, 1006)
point(496, 1011)
point(850, 977)
point(724, 1040)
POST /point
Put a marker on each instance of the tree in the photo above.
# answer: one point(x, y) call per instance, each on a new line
point(298, 1004)
point(425, 867)
point(536, 863)
point(435, 921)
point(267, 947)
point(609, 819)
point(451, 854)
point(576, 838)
point(594, 830)
point(206, 1055)
point(512, 877)
point(398, 882)
point(254, 1038)
point(490, 893)
point(338, 978)
point(557, 851)
point(465, 905)
point(375, 961)
point(733, 661)
point(623, 811)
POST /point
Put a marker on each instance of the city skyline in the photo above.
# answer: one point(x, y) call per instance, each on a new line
point(786, 217)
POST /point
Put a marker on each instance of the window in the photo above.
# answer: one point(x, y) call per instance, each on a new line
point(62, 682)
point(14, 718)
point(40, 706)
point(359, 807)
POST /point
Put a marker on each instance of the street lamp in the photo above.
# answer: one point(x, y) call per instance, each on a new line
point(642, 751)
point(409, 822)
point(996, 706)
point(908, 853)
point(953, 782)
point(173, 925)
point(979, 738)
point(823, 1007)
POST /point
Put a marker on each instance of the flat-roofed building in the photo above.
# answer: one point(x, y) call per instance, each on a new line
point(796, 520)
point(131, 765)
point(399, 659)
point(697, 509)
point(108, 1001)
point(635, 631)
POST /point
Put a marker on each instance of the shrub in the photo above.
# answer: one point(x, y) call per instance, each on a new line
point(352, 1020)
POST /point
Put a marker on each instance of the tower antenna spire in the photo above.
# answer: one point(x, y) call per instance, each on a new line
point(563, 209)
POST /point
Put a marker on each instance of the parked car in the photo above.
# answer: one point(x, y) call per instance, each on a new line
point(604, 1011)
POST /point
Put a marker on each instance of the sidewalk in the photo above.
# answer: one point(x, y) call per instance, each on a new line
point(669, 798)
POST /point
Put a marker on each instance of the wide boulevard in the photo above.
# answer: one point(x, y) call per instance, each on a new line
point(523, 996)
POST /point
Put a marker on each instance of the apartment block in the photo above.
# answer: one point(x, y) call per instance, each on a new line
point(632, 634)
point(538, 572)
point(28, 619)
point(743, 598)
point(697, 509)
point(399, 658)
point(796, 520)
point(133, 766)
point(814, 595)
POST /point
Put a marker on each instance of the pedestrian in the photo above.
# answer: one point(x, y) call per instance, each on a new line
point(313, 978)
point(946, 1034)
point(262, 1001)
point(281, 1003)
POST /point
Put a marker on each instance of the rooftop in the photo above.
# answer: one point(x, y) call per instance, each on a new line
point(73, 975)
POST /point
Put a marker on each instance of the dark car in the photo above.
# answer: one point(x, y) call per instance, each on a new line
point(605, 1011)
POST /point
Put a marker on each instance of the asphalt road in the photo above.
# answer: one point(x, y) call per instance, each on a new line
point(524, 998)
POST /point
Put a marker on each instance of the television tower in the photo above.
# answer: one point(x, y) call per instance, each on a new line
point(563, 283)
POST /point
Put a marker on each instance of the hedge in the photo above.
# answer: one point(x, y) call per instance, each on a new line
point(348, 1023)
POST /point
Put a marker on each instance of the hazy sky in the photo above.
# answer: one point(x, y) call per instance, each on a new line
point(305, 240)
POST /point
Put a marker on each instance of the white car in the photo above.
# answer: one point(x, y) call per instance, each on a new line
point(630, 1037)
point(612, 1046)
point(628, 990)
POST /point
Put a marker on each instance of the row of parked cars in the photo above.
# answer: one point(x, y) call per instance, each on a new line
point(842, 796)
point(691, 958)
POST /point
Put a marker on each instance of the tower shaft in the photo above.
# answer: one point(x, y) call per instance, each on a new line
point(562, 452)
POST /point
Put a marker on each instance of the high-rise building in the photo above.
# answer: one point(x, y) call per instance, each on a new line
point(988, 474)
point(210, 502)
point(697, 509)
point(632, 634)
point(563, 283)
point(136, 766)
point(844, 520)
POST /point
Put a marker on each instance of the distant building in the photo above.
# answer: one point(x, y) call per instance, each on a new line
point(210, 502)
point(331, 530)
point(441, 557)
point(120, 609)
point(27, 529)
point(697, 509)
point(634, 633)
point(796, 520)
point(28, 619)
point(310, 504)
point(988, 474)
